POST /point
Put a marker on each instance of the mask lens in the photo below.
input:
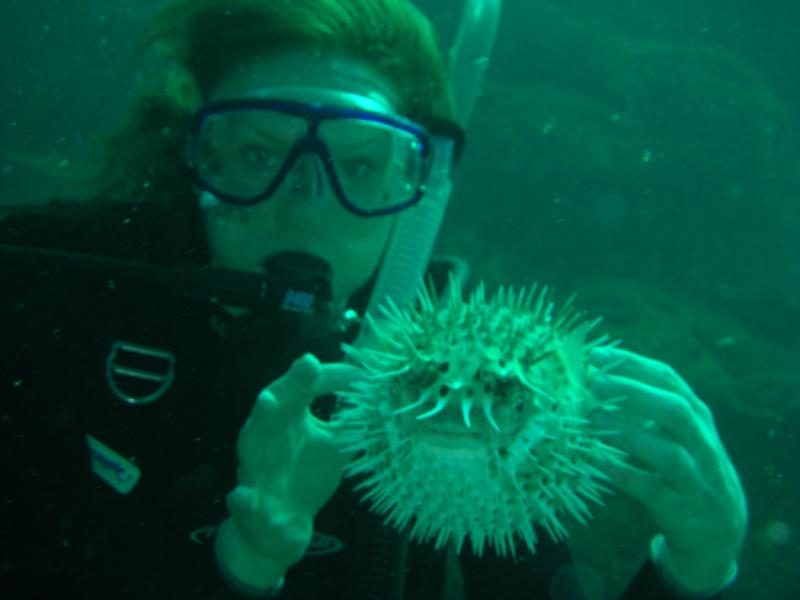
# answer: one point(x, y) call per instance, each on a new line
point(377, 165)
point(239, 152)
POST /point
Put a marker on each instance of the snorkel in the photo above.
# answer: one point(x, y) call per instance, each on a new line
point(409, 251)
point(412, 240)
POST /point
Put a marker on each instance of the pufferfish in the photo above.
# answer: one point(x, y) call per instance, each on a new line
point(473, 421)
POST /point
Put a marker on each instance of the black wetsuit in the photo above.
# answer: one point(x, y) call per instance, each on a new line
point(68, 534)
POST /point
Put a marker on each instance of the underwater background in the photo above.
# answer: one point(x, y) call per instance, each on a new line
point(645, 155)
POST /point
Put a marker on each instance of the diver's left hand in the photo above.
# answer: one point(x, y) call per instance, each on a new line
point(687, 482)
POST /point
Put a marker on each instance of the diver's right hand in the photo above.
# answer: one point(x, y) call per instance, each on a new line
point(289, 467)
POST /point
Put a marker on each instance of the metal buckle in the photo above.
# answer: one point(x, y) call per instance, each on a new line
point(137, 374)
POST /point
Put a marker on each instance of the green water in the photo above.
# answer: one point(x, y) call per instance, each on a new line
point(643, 154)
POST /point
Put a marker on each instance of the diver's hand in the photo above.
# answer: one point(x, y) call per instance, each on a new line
point(289, 467)
point(688, 484)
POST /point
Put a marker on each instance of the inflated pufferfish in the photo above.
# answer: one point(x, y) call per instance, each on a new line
point(473, 420)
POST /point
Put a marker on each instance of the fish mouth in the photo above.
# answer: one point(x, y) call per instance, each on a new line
point(444, 436)
point(449, 429)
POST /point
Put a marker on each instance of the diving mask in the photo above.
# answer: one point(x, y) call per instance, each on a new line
point(376, 162)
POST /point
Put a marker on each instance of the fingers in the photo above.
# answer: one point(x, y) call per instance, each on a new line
point(242, 502)
point(287, 399)
point(297, 384)
point(306, 379)
point(635, 366)
point(637, 483)
point(684, 418)
point(670, 410)
point(337, 377)
point(670, 460)
point(282, 402)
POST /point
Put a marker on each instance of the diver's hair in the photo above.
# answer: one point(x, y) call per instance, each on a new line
point(210, 37)
point(204, 39)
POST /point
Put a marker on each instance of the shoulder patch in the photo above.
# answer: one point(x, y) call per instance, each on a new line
point(118, 472)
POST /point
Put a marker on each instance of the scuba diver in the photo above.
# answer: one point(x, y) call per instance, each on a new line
point(172, 343)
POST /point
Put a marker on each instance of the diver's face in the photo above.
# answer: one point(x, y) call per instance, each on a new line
point(304, 214)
